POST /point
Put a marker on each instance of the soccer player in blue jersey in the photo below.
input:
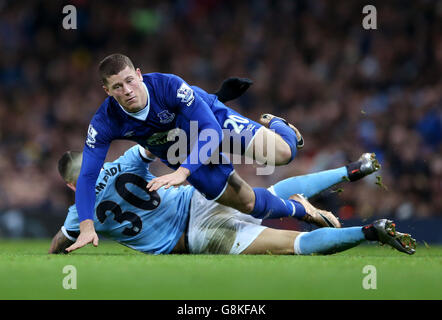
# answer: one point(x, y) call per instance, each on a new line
point(181, 220)
point(148, 108)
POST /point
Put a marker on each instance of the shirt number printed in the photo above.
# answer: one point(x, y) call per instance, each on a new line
point(236, 122)
point(150, 202)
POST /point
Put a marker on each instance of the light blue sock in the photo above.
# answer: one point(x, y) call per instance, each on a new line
point(310, 184)
point(328, 240)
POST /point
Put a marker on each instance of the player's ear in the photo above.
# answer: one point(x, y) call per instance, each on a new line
point(106, 90)
point(139, 74)
point(71, 186)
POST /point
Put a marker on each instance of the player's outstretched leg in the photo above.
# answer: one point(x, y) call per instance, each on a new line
point(310, 185)
point(258, 202)
point(330, 240)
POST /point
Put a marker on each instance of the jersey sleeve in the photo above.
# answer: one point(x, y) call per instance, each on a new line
point(185, 101)
point(135, 155)
point(71, 226)
point(94, 153)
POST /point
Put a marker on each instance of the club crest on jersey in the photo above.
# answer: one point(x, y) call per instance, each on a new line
point(91, 134)
point(165, 116)
point(185, 93)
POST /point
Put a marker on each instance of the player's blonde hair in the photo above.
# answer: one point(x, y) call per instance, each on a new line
point(69, 166)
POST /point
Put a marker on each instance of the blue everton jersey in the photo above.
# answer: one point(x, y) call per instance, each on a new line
point(151, 222)
point(171, 104)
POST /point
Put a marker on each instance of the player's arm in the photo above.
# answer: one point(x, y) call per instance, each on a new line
point(85, 200)
point(94, 153)
point(200, 113)
point(59, 243)
point(183, 100)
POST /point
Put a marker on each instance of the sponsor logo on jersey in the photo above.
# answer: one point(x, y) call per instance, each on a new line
point(166, 116)
point(91, 134)
point(185, 93)
point(162, 137)
point(129, 133)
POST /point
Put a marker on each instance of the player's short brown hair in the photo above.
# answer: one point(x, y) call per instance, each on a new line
point(69, 166)
point(113, 64)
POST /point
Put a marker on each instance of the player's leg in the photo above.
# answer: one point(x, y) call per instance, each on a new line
point(279, 143)
point(320, 241)
point(329, 240)
point(221, 183)
point(217, 229)
point(258, 202)
point(262, 204)
point(314, 183)
point(269, 148)
point(274, 146)
point(273, 241)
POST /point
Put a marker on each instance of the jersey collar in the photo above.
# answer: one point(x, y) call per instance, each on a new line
point(142, 114)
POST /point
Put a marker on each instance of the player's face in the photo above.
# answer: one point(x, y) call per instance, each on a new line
point(127, 88)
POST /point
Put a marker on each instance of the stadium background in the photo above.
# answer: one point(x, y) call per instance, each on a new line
point(347, 89)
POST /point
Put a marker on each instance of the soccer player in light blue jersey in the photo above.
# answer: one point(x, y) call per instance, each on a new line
point(181, 220)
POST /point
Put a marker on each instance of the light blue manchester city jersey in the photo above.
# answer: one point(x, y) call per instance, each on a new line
point(125, 211)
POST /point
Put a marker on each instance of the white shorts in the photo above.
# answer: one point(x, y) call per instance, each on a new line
point(217, 229)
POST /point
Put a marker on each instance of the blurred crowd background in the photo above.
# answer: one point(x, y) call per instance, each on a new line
point(347, 89)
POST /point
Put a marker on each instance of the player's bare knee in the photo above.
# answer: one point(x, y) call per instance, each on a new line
point(283, 154)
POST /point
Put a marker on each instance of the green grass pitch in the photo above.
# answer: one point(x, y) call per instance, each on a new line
point(112, 271)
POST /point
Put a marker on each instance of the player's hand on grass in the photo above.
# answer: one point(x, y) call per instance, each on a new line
point(169, 180)
point(87, 235)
